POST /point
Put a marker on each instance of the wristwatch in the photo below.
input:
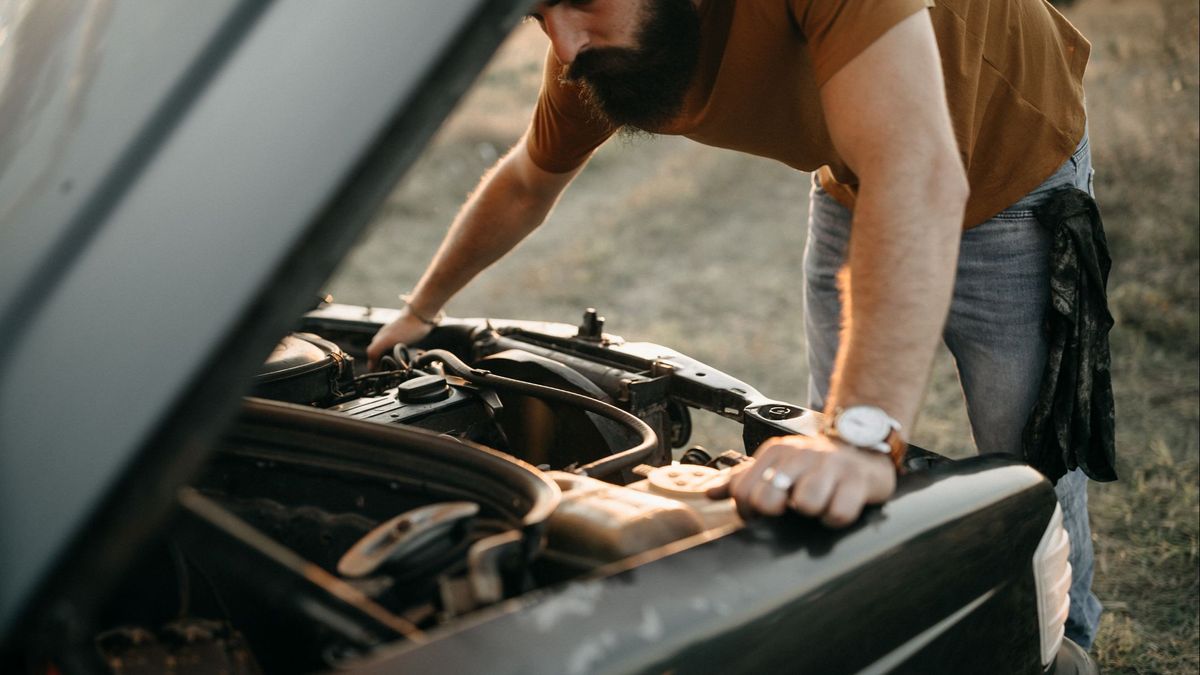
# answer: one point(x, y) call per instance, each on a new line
point(867, 427)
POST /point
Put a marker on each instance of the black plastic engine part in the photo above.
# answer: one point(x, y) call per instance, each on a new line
point(626, 459)
point(553, 433)
point(305, 369)
point(428, 401)
point(696, 455)
point(423, 389)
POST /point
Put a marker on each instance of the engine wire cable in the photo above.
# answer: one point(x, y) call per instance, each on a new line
point(626, 459)
point(394, 369)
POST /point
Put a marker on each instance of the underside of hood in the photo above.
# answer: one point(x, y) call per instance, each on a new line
point(176, 183)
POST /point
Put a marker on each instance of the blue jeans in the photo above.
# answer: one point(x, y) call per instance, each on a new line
point(994, 331)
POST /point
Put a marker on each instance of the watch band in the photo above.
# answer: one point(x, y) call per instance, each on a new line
point(897, 448)
point(892, 445)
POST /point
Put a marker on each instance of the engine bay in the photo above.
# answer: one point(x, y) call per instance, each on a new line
point(348, 510)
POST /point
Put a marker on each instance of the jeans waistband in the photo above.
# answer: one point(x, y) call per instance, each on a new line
point(1075, 172)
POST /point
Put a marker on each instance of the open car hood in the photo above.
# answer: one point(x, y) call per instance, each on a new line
point(176, 180)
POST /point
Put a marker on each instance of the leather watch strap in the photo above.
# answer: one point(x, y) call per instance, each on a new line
point(898, 449)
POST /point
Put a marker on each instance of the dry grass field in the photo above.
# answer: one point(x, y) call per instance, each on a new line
point(700, 249)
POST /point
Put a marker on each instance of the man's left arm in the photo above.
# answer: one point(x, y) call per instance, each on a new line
point(887, 114)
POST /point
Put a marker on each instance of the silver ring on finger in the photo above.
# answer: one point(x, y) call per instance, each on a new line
point(778, 480)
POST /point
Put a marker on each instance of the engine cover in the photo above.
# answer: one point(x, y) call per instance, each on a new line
point(306, 369)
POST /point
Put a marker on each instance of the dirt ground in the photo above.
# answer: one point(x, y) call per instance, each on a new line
point(700, 249)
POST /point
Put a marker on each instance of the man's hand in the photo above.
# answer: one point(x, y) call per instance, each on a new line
point(816, 476)
point(512, 200)
point(406, 329)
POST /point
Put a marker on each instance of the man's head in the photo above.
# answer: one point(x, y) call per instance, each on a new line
point(633, 59)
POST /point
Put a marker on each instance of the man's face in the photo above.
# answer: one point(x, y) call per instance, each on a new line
point(641, 85)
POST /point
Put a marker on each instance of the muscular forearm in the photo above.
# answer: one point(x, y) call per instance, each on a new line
point(896, 288)
point(889, 119)
point(512, 200)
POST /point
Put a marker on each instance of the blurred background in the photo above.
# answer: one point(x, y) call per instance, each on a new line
point(700, 249)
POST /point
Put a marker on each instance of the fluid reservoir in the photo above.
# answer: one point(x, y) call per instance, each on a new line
point(687, 483)
point(601, 522)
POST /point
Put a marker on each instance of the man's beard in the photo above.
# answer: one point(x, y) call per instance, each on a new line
point(643, 87)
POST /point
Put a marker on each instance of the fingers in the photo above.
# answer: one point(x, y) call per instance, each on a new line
point(718, 491)
point(722, 490)
point(846, 503)
point(742, 483)
point(383, 341)
point(812, 493)
point(785, 465)
point(405, 328)
point(769, 495)
point(813, 476)
point(374, 352)
point(380, 345)
point(762, 487)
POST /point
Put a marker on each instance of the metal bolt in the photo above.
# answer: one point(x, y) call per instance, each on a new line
point(780, 412)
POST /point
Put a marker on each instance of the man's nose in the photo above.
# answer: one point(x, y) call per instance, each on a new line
point(566, 38)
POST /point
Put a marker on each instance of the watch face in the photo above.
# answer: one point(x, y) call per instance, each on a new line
point(864, 425)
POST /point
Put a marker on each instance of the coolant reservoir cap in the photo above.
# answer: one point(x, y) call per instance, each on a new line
point(683, 480)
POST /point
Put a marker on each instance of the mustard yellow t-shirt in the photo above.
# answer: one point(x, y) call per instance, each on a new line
point(1013, 72)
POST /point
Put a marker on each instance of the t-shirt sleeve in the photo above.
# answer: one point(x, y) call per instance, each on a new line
point(838, 30)
point(564, 132)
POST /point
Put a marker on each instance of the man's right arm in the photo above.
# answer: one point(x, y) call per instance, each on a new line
point(512, 200)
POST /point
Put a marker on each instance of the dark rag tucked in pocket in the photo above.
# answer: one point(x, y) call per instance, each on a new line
point(1072, 424)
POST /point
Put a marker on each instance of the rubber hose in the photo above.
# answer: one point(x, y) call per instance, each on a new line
point(626, 459)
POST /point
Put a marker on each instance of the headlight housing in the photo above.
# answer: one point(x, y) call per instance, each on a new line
point(1052, 575)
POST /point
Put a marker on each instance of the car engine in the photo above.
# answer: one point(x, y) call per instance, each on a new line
point(347, 510)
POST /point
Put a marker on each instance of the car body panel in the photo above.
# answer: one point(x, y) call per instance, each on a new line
point(787, 595)
point(79, 104)
point(201, 252)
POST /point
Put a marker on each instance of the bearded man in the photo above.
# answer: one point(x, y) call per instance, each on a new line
point(931, 131)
